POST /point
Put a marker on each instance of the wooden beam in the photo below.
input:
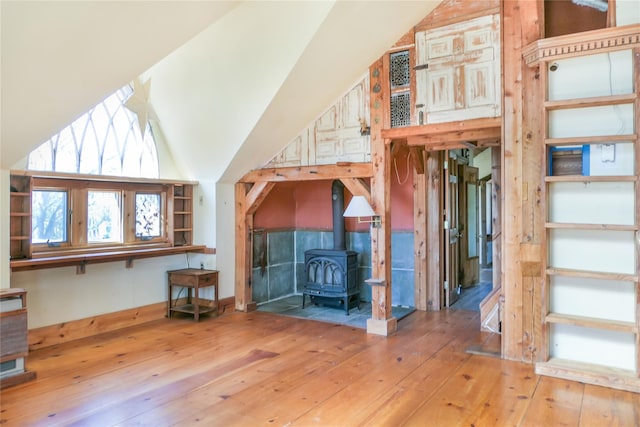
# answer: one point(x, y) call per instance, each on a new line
point(309, 173)
point(441, 128)
point(382, 321)
point(256, 196)
point(434, 230)
point(522, 21)
point(448, 139)
point(417, 154)
point(420, 247)
point(357, 187)
point(244, 225)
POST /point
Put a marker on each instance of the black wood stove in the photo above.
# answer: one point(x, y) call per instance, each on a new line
point(331, 275)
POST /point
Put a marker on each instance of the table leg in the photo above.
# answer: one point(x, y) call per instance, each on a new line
point(196, 304)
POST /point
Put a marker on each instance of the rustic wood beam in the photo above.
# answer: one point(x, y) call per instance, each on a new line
point(256, 196)
point(522, 24)
point(420, 269)
point(434, 230)
point(244, 225)
point(456, 137)
point(309, 173)
point(382, 321)
point(357, 187)
point(417, 154)
point(441, 128)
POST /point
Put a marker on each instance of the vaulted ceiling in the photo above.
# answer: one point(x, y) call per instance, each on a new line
point(232, 82)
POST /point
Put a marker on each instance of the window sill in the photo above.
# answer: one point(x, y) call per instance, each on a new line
point(81, 260)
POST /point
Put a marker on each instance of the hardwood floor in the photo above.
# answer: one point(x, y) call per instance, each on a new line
point(264, 369)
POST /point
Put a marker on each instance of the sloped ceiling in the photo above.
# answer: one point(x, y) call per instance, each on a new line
point(231, 82)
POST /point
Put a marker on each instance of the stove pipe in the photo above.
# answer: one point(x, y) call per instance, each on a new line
point(337, 196)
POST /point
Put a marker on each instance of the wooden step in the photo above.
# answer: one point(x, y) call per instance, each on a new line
point(589, 373)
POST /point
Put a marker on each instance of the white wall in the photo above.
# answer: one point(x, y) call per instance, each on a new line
point(225, 224)
point(4, 229)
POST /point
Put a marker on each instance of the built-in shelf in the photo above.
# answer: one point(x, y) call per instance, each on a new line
point(592, 322)
point(589, 178)
point(599, 101)
point(587, 140)
point(579, 339)
point(580, 226)
point(591, 274)
point(95, 258)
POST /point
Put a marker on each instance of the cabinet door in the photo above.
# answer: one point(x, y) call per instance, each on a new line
point(458, 70)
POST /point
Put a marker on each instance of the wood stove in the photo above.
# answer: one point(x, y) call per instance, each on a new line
point(331, 275)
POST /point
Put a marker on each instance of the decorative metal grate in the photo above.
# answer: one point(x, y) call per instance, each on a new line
point(400, 72)
point(400, 109)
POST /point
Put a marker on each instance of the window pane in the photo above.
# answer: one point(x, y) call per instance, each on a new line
point(48, 216)
point(147, 215)
point(104, 217)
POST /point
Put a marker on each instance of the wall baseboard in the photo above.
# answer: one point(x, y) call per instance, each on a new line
point(82, 328)
point(68, 331)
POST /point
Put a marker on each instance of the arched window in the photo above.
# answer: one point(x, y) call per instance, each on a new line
point(104, 141)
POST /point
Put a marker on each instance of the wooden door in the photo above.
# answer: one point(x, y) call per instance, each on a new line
point(468, 225)
point(451, 215)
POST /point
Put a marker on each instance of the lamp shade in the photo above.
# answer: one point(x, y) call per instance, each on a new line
point(358, 206)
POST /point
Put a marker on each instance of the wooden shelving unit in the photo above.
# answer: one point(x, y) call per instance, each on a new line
point(20, 217)
point(182, 199)
point(13, 335)
point(591, 321)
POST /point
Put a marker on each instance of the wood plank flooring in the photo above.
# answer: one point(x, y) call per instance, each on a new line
point(264, 369)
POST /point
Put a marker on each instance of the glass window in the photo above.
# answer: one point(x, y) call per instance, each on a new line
point(104, 217)
point(49, 216)
point(148, 215)
point(106, 140)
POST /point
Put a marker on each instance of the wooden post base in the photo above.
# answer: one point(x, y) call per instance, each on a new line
point(382, 327)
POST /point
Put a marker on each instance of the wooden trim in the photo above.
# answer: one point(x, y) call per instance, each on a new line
point(226, 305)
point(590, 374)
point(13, 380)
point(309, 173)
point(100, 178)
point(82, 328)
point(580, 44)
point(101, 257)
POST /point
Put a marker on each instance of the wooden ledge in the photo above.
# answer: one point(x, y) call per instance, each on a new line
point(81, 260)
point(375, 282)
point(580, 44)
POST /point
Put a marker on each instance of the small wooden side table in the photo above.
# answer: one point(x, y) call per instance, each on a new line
point(193, 279)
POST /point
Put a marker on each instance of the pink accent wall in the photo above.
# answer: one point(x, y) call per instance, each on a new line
point(307, 204)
